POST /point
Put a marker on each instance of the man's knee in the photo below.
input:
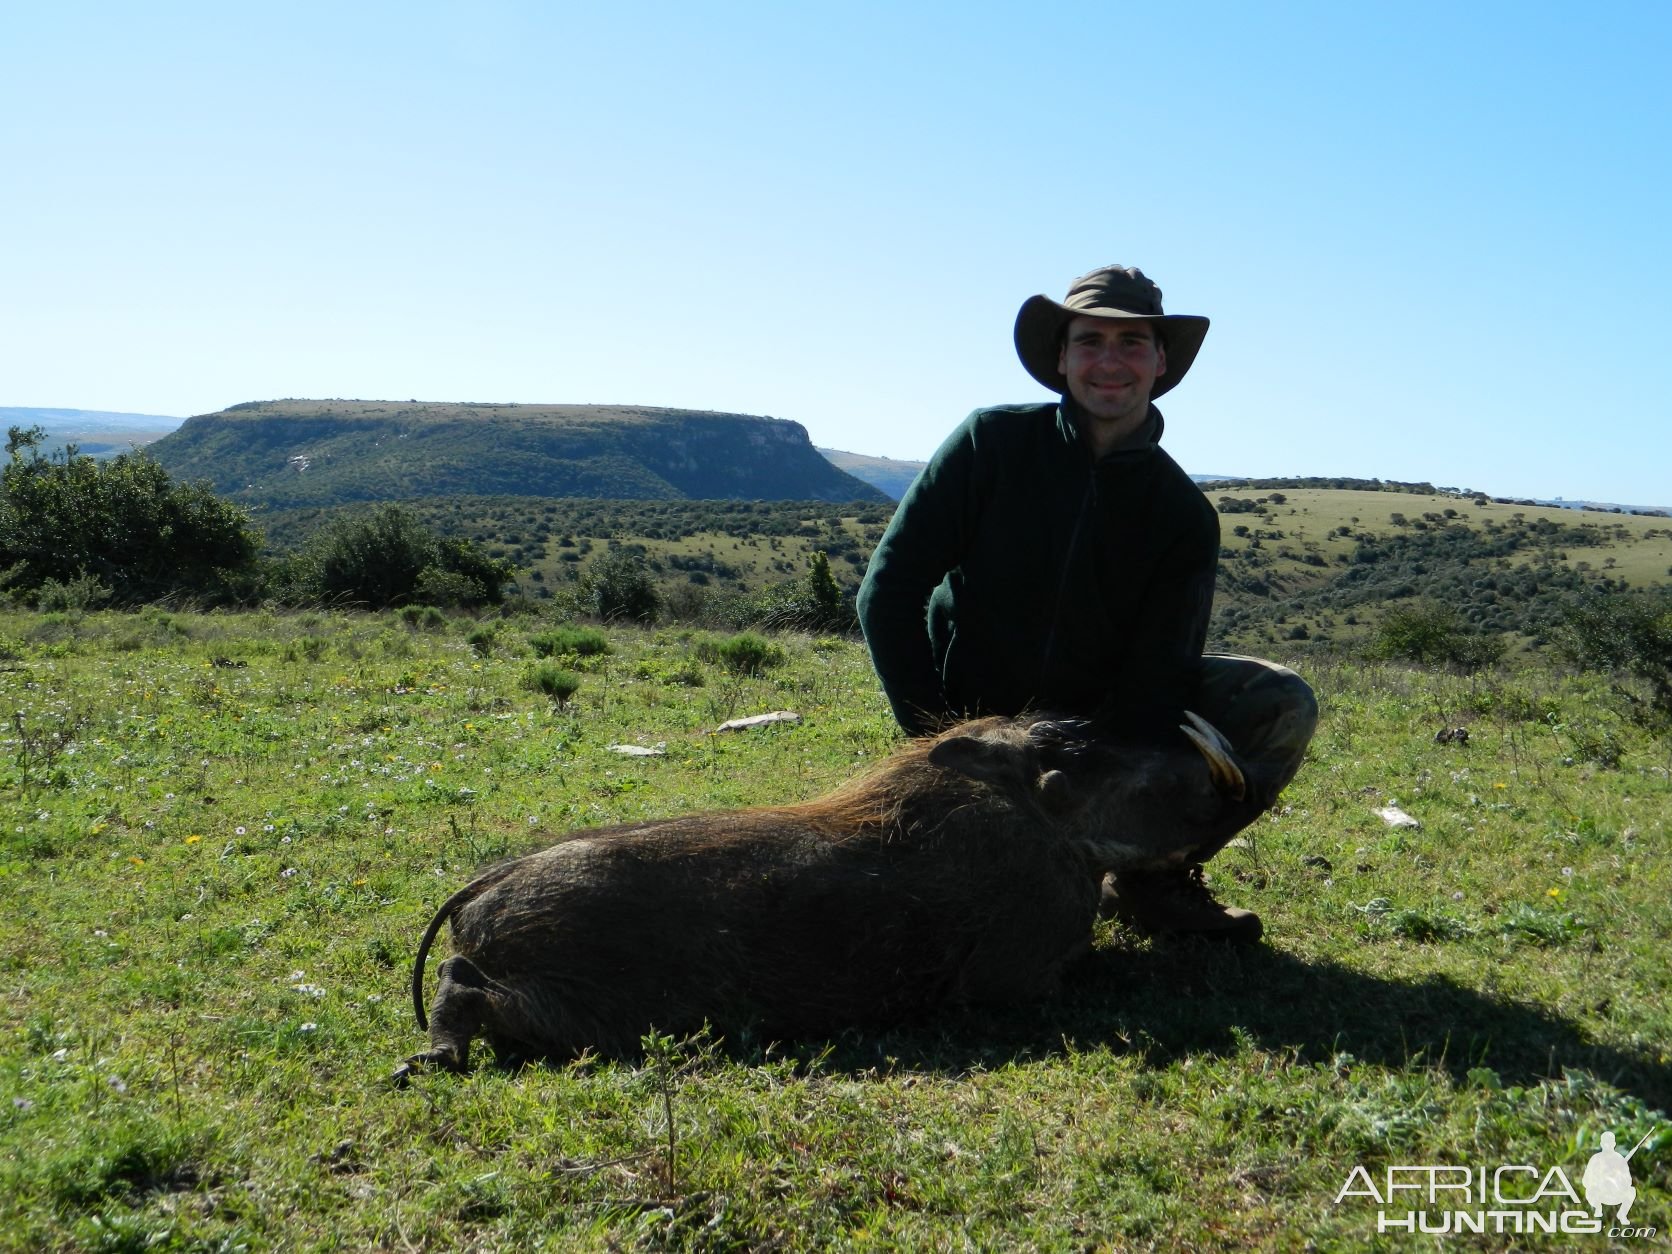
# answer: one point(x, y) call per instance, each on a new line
point(1267, 711)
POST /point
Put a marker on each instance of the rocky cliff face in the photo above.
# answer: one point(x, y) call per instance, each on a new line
point(310, 452)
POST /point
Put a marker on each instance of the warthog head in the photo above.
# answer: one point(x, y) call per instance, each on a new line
point(1130, 806)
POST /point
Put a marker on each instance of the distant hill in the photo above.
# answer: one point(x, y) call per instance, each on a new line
point(891, 476)
point(894, 477)
point(298, 453)
point(96, 432)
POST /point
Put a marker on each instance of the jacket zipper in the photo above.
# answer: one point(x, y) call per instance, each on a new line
point(1086, 500)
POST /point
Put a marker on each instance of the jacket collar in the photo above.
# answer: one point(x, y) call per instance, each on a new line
point(1146, 438)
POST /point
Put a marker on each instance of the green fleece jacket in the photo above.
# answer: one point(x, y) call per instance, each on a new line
point(1020, 574)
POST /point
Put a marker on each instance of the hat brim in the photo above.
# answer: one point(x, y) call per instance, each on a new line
point(1039, 328)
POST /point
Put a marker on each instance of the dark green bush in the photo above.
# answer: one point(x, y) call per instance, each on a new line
point(423, 617)
point(121, 524)
point(1628, 632)
point(742, 654)
point(580, 641)
point(81, 593)
point(620, 585)
point(389, 557)
point(554, 682)
point(1435, 635)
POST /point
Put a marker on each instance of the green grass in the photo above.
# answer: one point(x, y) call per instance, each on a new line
point(221, 836)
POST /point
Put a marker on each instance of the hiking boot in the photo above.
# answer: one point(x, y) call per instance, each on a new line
point(1174, 900)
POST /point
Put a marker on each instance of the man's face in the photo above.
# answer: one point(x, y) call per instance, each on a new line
point(1112, 365)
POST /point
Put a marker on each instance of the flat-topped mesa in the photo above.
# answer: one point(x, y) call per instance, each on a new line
point(393, 450)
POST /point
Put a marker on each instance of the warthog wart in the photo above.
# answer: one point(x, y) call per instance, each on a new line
point(963, 870)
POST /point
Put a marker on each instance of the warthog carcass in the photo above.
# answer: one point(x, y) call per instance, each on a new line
point(964, 869)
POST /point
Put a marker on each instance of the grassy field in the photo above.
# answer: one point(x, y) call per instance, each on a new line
point(222, 835)
point(1633, 547)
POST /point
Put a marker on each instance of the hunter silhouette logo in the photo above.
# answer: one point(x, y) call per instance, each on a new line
point(1607, 1178)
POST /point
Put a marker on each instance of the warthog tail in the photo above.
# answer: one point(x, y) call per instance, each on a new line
point(469, 891)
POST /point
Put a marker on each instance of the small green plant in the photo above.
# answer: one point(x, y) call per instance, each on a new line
point(683, 675)
point(422, 617)
point(84, 592)
point(743, 654)
point(554, 682)
point(580, 641)
point(1540, 927)
point(40, 743)
point(1424, 926)
point(482, 639)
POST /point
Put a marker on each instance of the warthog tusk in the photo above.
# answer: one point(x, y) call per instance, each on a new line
point(1227, 775)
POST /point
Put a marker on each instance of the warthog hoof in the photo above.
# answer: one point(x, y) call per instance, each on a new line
point(439, 1059)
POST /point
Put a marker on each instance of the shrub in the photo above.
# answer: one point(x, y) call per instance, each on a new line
point(742, 654)
point(620, 586)
point(683, 675)
point(580, 641)
point(389, 556)
point(554, 682)
point(438, 586)
point(1623, 631)
point(1434, 635)
point(825, 608)
point(482, 639)
point(423, 617)
point(122, 523)
point(84, 592)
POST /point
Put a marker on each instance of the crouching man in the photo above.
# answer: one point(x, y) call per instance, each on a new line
point(1052, 556)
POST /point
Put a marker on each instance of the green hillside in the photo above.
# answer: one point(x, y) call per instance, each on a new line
point(295, 453)
point(1312, 568)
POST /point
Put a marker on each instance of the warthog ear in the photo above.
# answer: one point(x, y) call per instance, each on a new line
point(1222, 763)
point(1057, 792)
point(989, 760)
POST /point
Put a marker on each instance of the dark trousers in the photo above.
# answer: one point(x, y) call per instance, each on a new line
point(1266, 711)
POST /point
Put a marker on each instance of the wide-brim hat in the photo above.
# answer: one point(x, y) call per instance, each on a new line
point(1108, 292)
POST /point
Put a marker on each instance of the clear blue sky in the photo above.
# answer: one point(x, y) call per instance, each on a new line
point(1433, 238)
